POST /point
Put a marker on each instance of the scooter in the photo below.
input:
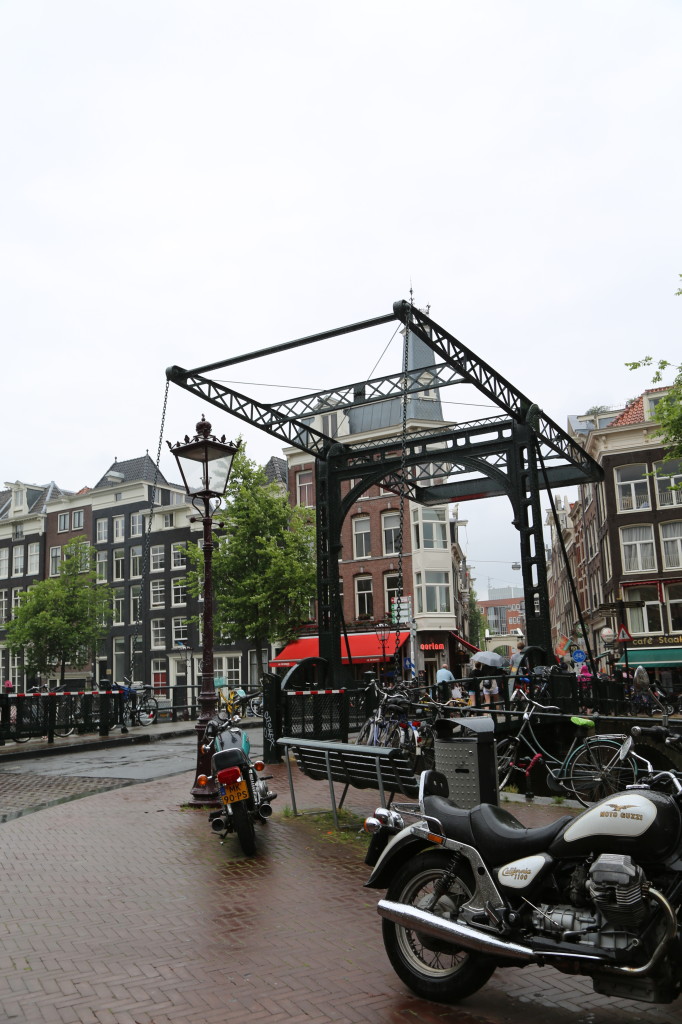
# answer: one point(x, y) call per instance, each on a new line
point(245, 798)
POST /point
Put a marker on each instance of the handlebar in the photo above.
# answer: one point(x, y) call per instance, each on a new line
point(657, 732)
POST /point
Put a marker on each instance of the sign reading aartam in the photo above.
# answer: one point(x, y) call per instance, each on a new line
point(432, 647)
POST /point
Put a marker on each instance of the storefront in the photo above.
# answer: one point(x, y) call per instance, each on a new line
point(660, 655)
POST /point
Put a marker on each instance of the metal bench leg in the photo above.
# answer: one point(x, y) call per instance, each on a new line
point(343, 797)
point(331, 789)
point(291, 781)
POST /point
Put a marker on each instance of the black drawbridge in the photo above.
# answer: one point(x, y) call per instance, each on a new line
point(516, 453)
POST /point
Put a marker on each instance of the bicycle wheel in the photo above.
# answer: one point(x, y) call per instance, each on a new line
point(243, 826)
point(363, 738)
point(402, 737)
point(147, 711)
point(595, 771)
point(64, 723)
point(427, 747)
point(507, 751)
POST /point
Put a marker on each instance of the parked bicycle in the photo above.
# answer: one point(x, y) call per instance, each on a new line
point(139, 706)
point(392, 724)
point(589, 771)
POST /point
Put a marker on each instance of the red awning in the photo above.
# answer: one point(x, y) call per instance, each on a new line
point(364, 648)
point(465, 643)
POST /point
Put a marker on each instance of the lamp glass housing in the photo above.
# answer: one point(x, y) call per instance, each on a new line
point(205, 467)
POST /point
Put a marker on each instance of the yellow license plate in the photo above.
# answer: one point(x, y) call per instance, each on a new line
point(233, 793)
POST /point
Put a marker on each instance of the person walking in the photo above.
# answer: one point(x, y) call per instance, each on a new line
point(444, 679)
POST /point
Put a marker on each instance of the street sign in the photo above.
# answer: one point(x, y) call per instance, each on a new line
point(623, 635)
point(401, 609)
point(579, 656)
point(607, 635)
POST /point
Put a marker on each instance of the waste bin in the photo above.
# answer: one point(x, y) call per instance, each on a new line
point(465, 752)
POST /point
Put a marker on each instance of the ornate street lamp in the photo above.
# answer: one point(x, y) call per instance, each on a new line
point(205, 462)
point(383, 630)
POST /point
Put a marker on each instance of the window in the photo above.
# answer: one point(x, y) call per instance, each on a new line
point(675, 606)
point(157, 590)
point(391, 590)
point(632, 488)
point(18, 531)
point(4, 607)
point(33, 566)
point(63, 522)
point(364, 605)
point(254, 675)
point(16, 599)
point(159, 676)
point(101, 566)
point(390, 526)
point(4, 563)
point(178, 552)
point(305, 493)
point(119, 564)
point(167, 519)
point(136, 560)
point(136, 524)
point(362, 541)
point(330, 424)
point(230, 670)
point(18, 561)
point(638, 548)
point(179, 631)
point(158, 628)
point(102, 531)
point(433, 591)
point(77, 520)
point(16, 673)
point(178, 498)
point(135, 606)
point(647, 619)
point(119, 525)
point(55, 561)
point(434, 528)
point(668, 476)
point(179, 591)
point(671, 542)
point(119, 652)
point(118, 602)
point(157, 558)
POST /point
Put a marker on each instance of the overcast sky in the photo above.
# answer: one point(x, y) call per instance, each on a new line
point(182, 182)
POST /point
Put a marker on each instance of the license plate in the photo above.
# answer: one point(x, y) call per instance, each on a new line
point(233, 793)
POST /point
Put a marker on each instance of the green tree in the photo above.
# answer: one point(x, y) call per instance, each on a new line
point(669, 409)
point(60, 620)
point(477, 620)
point(264, 566)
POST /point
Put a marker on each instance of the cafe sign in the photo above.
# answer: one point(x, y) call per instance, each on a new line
point(656, 641)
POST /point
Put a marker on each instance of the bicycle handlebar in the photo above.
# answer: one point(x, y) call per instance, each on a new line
point(657, 732)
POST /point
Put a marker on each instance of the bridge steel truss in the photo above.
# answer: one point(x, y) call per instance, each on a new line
point(517, 454)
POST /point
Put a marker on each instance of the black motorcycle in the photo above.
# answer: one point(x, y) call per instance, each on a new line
point(599, 894)
point(245, 798)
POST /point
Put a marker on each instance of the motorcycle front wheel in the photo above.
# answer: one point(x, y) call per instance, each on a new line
point(432, 968)
point(243, 826)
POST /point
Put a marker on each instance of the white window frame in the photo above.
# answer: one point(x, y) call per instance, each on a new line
point(55, 560)
point(63, 522)
point(118, 600)
point(632, 495)
point(434, 529)
point(118, 650)
point(4, 607)
point(102, 566)
point(157, 594)
point(33, 560)
point(157, 632)
point(643, 562)
point(77, 519)
point(135, 561)
point(179, 555)
point(364, 597)
point(4, 563)
point(668, 472)
point(673, 601)
point(305, 489)
point(638, 618)
point(390, 534)
point(168, 520)
point(136, 524)
point(102, 531)
point(180, 630)
point(135, 598)
point(119, 528)
point(118, 565)
point(157, 558)
point(178, 591)
point(390, 592)
point(18, 560)
point(362, 537)
point(671, 544)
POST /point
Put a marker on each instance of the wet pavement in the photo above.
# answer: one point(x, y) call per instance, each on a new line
point(123, 908)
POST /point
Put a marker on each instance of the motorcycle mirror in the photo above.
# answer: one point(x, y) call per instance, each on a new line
point(640, 680)
point(625, 748)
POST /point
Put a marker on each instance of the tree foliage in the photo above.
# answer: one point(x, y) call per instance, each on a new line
point(477, 620)
point(264, 565)
point(60, 620)
point(668, 412)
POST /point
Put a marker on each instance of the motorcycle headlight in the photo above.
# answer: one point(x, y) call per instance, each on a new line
point(372, 825)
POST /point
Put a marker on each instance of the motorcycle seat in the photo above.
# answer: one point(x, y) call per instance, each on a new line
point(500, 837)
point(456, 821)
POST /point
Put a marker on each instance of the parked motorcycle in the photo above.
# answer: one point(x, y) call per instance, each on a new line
point(245, 798)
point(599, 894)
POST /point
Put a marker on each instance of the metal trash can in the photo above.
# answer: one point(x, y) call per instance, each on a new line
point(465, 752)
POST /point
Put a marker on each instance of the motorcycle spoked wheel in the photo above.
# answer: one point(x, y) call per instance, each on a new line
point(243, 826)
point(433, 969)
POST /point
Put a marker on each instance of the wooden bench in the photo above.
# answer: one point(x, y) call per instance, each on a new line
point(386, 769)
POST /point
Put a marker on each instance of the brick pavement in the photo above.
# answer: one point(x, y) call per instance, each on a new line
point(123, 908)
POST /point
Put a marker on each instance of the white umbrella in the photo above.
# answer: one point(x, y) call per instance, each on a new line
point(489, 658)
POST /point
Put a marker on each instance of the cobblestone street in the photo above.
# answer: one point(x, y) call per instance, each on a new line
point(123, 908)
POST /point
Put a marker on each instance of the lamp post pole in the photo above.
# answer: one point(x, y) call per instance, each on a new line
point(205, 463)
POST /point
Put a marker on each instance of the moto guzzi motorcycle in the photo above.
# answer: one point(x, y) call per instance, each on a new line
point(599, 894)
point(244, 797)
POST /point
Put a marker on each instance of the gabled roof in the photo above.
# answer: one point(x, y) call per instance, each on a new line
point(37, 497)
point(130, 470)
point(276, 470)
point(635, 410)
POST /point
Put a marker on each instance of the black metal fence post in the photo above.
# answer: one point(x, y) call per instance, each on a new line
point(272, 717)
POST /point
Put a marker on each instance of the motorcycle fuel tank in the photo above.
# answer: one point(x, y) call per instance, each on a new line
point(644, 825)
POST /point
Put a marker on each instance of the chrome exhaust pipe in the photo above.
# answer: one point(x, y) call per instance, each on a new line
point(450, 931)
point(218, 824)
point(264, 811)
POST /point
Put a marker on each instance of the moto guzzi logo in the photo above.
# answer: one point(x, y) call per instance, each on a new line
point(520, 874)
point(621, 811)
